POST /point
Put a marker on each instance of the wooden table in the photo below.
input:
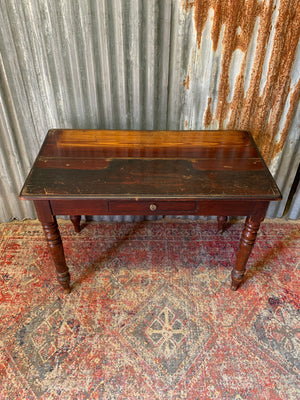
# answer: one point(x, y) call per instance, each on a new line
point(107, 172)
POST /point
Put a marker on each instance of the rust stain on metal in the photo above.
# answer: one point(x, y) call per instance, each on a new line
point(259, 109)
point(227, 13)
point(277, 87)
point(208, 114)
point(186, 82)
point(294, 100)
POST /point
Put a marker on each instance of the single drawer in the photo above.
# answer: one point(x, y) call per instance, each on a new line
point(148, 207)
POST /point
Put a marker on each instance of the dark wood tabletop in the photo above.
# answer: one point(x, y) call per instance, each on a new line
point(110, 164)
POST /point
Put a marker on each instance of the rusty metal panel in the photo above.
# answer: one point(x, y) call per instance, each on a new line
point(243, 69)
point(288, 162)
point(147, 64)
point(244, 73)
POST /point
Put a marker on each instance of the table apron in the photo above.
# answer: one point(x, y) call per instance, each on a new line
point(155, 207)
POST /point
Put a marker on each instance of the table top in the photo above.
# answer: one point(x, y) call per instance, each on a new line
point(110, 164)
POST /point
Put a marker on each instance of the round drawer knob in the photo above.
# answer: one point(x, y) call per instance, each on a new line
point(153, 207)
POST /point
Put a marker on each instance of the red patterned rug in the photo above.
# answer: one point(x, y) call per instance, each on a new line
point(151, 314)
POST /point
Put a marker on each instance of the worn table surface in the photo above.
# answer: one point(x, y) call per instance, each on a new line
point(149, 164)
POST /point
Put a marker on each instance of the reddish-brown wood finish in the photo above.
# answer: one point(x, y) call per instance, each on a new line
point(93, 172)
point(54, 242)
point(247, 241)
point(75, 219)
point(134, 207)
point(222, 221)
point(79, 164)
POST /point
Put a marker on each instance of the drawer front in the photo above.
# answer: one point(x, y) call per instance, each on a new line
point(79, 207)
point(145, 207)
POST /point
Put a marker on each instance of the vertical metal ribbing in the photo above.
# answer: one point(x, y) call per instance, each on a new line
point(146, 64)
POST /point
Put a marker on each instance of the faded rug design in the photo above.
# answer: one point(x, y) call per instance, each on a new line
point(151, 314)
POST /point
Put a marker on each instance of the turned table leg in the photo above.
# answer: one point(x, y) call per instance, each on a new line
point(75, 219)
point(54, 242)
point(222, 221)
point(56, 249)
point(246, 244)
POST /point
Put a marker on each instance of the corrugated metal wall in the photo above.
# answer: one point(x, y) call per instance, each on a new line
point(148, 64)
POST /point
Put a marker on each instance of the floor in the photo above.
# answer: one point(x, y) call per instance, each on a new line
point(151, 314)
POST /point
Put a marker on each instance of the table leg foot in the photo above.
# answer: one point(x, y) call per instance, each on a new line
point(246, 244)
point(75, 219)
point(55, 247)
point(64, 280)
point(236, 280)
point(222, 221)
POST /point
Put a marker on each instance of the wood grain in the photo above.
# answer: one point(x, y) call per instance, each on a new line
point(145, 164)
